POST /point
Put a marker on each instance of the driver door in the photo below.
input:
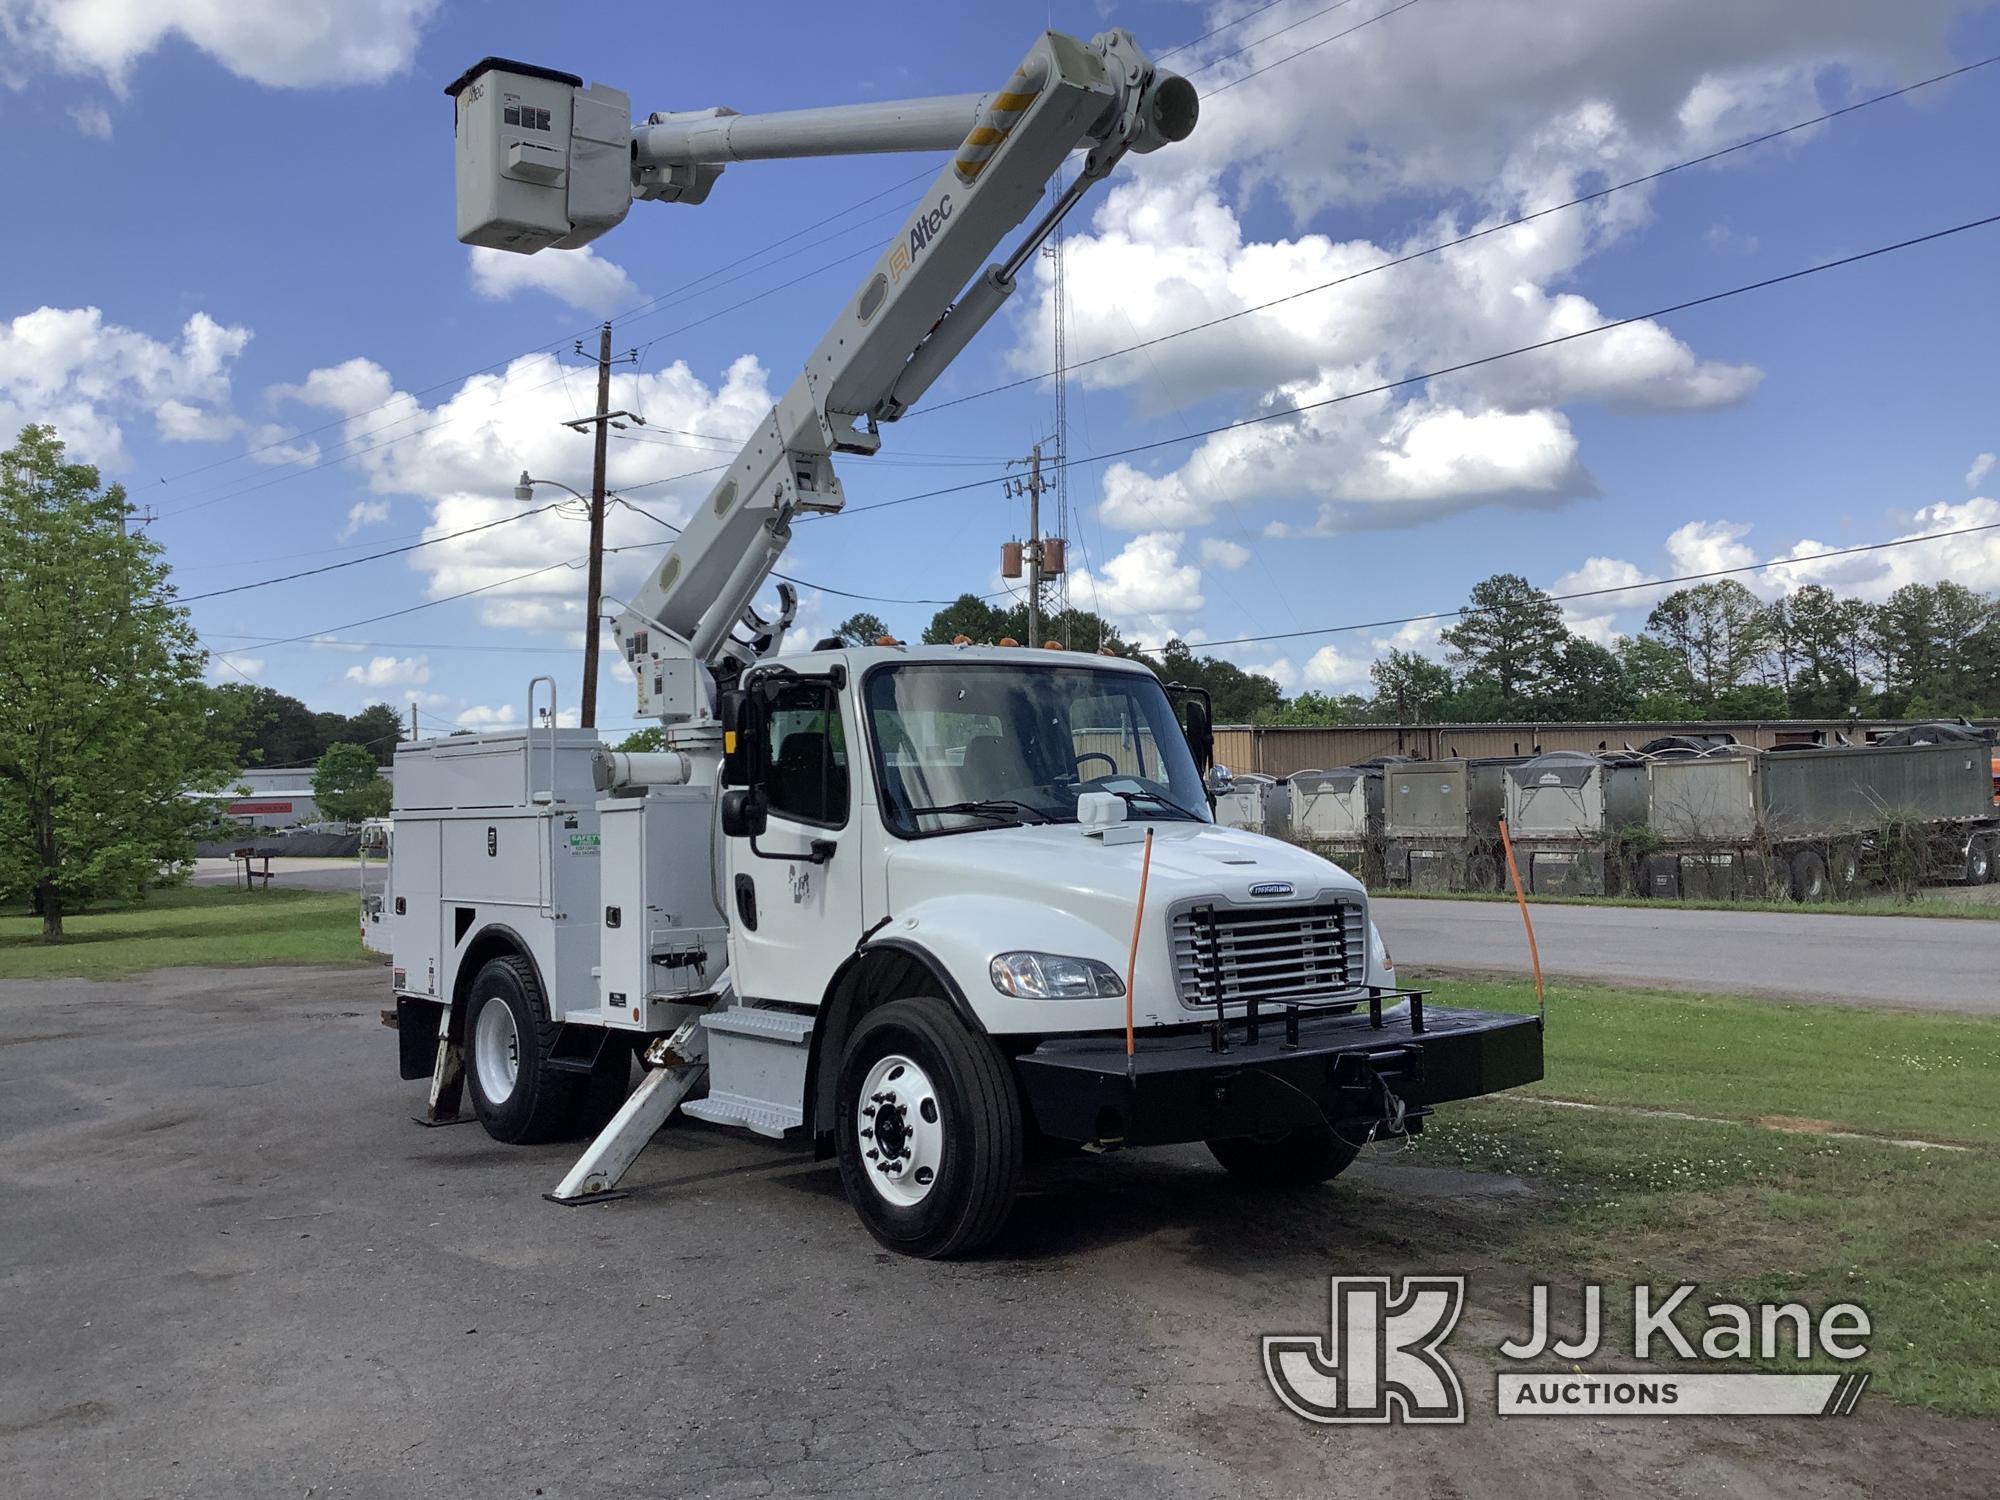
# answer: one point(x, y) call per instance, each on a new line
point(795, 892)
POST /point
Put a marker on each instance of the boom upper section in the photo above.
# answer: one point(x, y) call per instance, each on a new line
point(544, 161)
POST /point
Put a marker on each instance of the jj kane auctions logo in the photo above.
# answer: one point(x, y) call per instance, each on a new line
point(1382, 1358)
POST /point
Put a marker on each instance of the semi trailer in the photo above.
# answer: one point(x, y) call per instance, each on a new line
point(922, 907)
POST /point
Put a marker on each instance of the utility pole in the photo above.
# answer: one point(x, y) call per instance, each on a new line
point(413, 720)
point(1035, 547)
point(596, 586)
point(1044, 556)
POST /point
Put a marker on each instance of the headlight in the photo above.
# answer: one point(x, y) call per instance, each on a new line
point(1379, 950)
point(1051, 976)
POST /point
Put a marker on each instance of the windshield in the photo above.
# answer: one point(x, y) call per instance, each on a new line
point(980, 745)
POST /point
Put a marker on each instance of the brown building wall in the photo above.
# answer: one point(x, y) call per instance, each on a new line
point(1282, 750)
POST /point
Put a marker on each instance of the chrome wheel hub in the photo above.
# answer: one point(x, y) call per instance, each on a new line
point(496, 1050)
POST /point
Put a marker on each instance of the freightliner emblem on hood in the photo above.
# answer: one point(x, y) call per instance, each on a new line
point(1272, 888)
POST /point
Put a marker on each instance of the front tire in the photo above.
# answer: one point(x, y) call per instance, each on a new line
point(518, 1097)
point(1809, 877)
point(928, 1130)
point(1979, 861)
point(1301, 1157)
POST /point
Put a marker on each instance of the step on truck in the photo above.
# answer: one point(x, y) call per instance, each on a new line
point(925, 907)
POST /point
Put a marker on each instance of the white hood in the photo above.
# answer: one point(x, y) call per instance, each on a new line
point(1063, 888)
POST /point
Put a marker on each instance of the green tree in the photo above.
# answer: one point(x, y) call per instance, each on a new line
point(1655, 679)
point(1588, 685)
point(1510, 634)
point(376, 728)
point(968, 615)
point(1820, 642)
point(1719, 630)
point(862, 629)
point(1926, 638)
point(1239, 697)
point(1312, 707)
point(653, 737)
point(107, 720)
point(348, 784)
point(1409, 688)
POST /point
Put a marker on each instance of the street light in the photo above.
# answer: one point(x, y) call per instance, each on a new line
point(525, 490)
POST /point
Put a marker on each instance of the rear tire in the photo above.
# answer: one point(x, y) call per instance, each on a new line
point(1303, 1156)
point(935, 1175)
point(1979, 855)
point(1809, 878)
point(508, 1034)
point(1844, 871)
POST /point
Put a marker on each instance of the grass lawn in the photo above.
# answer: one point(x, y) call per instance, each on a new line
point(1880, 906)
point(1759, 1199)
point(186, 925)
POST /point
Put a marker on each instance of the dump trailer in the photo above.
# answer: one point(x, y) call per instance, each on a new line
point(920, 906)
point(1566, 812)
point(1338, 813)
point(1806, 820)
point(1441, 823)
point(1256, 804)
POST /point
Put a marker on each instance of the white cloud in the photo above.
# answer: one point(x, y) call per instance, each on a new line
point(481, 717)
point(582, 278)
point(1973, 561)
point(1146, 589)
point(298, 44)
point(1510, 107)
point(1330, 668)
point(392, 671)
point(234, 668)
point(1280, 671)
point(462, 456)
point(1709, 547)
point(70, 368)
point(1218, 552)
point(363, 513)
point(1981, 467)
point(334, 643)
point(94, 120)
point(1600, 619)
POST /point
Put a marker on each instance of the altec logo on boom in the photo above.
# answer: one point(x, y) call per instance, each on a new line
point(1382, 1359)
point(921, 234)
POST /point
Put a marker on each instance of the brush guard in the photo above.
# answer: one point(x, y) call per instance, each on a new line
point(1360, 1067)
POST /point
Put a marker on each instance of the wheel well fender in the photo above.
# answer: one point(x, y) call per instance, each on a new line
point(496, 940)
point(871, 976)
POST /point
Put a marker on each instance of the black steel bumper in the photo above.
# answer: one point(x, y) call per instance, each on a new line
point(1354, 1070)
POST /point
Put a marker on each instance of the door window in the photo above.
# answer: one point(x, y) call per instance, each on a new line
point(805, 778)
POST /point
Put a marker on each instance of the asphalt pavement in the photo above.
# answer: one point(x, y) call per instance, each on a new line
point(1922, 963)
point(232, 1265)
point(290, 872)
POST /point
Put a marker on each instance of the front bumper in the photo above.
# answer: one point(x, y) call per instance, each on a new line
point(1355, 1071)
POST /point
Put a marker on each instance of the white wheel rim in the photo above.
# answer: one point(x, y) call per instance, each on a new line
point(496, 1050)
point(901, 1129)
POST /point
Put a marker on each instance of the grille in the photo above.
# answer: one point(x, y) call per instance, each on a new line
point(1276, 954)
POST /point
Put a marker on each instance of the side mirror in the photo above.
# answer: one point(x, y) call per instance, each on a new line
point(745, 813)
point(742, 737)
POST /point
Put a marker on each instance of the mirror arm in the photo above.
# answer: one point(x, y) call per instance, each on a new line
point(818, 852)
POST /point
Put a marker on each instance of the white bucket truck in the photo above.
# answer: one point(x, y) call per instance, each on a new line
point(922, 906)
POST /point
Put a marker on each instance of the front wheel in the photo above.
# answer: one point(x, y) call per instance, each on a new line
point(1979, 861)
point(928, 1130)
point(1303, 1156)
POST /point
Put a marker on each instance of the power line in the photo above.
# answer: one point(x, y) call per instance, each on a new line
point(1617, 588)
point(1312, 47)
point(1269, 36)
point(1217, 30)
point(354, 562)
point(641, 310)
point(1284, 413)
point(1477, 234)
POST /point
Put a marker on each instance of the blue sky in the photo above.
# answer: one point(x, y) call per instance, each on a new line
point(241, 295)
